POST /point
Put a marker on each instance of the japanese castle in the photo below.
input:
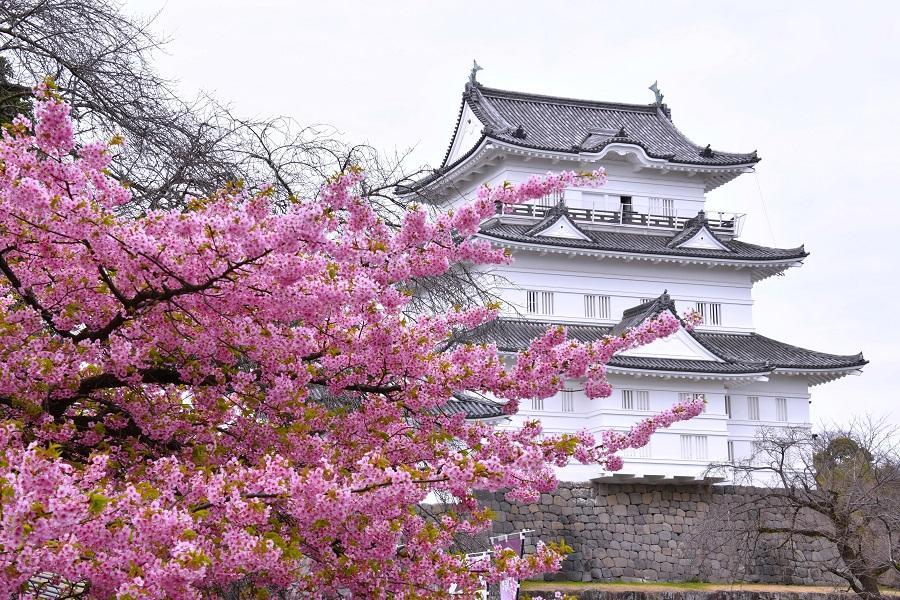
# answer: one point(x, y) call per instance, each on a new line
point(604, 258)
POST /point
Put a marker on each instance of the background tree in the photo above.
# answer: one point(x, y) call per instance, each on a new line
point(102, 62)
point(839, 488)
point(164, 380)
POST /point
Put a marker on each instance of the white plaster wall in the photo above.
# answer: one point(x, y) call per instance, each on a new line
point(627, 283)
point(665, 458)
point(687, 192)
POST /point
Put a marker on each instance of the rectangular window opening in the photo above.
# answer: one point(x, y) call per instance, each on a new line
point(753, 408)
point(596, 306)
point(711, 312)
point(636, 399)
point(539, 303)
point(691, 396)
point(662, 206)
point(781, 413)
point(694, 447)
point(642, 452)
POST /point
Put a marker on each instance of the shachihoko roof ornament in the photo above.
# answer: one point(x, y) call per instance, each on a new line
point(474, 72)
point(657, 93)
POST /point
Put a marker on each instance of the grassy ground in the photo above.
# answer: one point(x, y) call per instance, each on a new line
point(662, 586)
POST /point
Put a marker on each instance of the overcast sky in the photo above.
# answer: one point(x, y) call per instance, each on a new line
point(813, 86)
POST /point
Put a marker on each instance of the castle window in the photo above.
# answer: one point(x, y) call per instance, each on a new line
point(537, 404)
point(728, 406)
point(635, 400)
point(596, 307)
point(693, 447)
point(539, 303)
point(711, 312)
point(781, 410)
point(691, 396)
point(731, 452)
point(568, 401)
point(642, 452)
point(662, 206)
point(753, 408)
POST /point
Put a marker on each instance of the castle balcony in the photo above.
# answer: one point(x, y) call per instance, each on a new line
point(671, 219)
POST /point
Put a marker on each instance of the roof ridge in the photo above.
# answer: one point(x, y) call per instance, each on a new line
point(546, 98)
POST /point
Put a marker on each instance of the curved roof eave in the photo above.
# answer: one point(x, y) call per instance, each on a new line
point(785, 262)
point(720, 173)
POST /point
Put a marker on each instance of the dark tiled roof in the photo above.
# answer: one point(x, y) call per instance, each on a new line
point(475, 408)
point(639, 243)
point(567, 125)
point(687, 366)
point(572, 126)
point(738, 347)
point(740, 353)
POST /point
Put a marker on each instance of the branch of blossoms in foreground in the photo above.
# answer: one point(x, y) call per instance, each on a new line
point(230, 396)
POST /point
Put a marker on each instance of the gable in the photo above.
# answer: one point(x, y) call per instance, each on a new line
point(679, 345)
point(468, 132)
point(562, 228)
point(705, 240)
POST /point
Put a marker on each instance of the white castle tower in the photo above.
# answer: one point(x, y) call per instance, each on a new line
point(600, 259)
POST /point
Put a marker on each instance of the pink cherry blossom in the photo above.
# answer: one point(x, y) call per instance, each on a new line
point(231, 394)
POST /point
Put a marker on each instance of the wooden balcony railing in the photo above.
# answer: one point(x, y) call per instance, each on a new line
point(722, 222)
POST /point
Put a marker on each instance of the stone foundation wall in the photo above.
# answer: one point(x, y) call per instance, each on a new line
point(661, 533)
point(691, 595)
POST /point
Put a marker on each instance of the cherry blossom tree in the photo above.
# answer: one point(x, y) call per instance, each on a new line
point(233, 395)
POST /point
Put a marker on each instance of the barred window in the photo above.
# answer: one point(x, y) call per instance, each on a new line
point(753, 408)
point(636, 399)
point(781, 413)
point(662, 206)
point(711, 312)
point(568, 401)
point(596, 307)
point(539, 303)
point(691, 396)
point(642, 452)
point(694, 447)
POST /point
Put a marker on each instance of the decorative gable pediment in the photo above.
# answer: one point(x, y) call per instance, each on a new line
point(468, 132)
point(562, 227)
point(680, 345)
point(704, 239)
point(697, 235)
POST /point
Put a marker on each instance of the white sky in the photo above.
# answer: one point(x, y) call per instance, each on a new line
point(813, 86)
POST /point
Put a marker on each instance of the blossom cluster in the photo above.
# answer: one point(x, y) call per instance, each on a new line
point(233, 396)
